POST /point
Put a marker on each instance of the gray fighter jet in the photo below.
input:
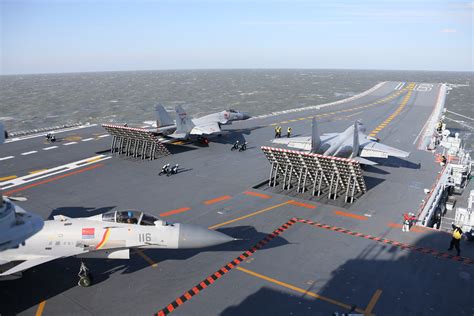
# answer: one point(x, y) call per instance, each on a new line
point(352, 143)
point(109, 235)
point(185, 127)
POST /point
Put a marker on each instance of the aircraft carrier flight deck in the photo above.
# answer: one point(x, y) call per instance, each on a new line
point(296, 254)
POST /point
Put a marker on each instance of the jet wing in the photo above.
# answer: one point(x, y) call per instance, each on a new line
point(177, 136)
point(11, 267)
point(206, 129)
point(378, 150)
point(303, 143)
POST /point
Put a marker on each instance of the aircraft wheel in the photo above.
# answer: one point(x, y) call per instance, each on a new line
point(85, 281)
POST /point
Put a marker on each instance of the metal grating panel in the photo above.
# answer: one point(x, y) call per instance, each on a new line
point(333, 176)
point(135, 142)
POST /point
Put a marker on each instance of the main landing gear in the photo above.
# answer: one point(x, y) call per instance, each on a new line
point(85, 278)
point(203, 140)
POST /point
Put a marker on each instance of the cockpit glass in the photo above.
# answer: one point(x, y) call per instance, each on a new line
point(108, 217)
point(128, 217)
point(232, 111)
point(148, 220)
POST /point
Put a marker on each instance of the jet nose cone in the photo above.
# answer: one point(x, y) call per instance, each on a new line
point(191, 236)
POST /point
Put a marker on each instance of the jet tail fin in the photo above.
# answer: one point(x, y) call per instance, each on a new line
point(162, 116)
point(315, 137)
point(184, 124)
point(355, 140)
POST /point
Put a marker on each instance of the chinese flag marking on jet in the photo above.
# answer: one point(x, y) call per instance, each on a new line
point(88, 233)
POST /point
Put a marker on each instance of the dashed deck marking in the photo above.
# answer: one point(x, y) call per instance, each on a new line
point(219, 199)
point(248, 215)
point(40, 309)
point(93, 159)
point(416, 229)
point(300, 290)
point(52, 179)
point(49, 148)
point(433, 252)
point(224, 270)
point(6, 158)
point(70, 143)
point(29, 153)
point(102, 136)
point(384, 100)
point(245, 255)
point(355, 216)
point(394, 114)
point(139, 252)
point(372, 302)
point(260, 195)
point(8, 178)
point(36, 171)
point(305, 205)
point(87, 139)
point(177, 211)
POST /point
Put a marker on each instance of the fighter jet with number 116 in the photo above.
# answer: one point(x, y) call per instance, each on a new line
point(107, 236)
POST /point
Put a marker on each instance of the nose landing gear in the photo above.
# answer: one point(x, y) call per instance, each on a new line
point(85, 278)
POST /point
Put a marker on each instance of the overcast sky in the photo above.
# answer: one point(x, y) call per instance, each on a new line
point(39, 36)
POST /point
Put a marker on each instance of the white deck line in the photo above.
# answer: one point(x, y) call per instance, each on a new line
point(52, 171)
point(49, 148)
point(41, 134)
point(29, 152)
point(71, 143)
point(87, 139)
point(8, 157)
point(320, 106)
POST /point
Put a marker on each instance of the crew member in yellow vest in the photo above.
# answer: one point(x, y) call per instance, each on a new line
point(288, 132)
point(457, 234)
point(279, 132)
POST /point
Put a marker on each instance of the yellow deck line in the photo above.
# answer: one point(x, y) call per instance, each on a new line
point(40, 309)
point(152, 263)
point(372, 302)
point(8, 178)
point(249, 215)
point(300, 290)
point(37, 171)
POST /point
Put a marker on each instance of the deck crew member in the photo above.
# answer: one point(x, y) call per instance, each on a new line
point(408, 220)
point(288, 132)
point(455, 240)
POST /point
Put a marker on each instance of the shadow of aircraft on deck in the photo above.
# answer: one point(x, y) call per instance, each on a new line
point(50, 279)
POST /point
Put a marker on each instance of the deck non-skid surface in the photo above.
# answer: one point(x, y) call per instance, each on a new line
point(328, 258)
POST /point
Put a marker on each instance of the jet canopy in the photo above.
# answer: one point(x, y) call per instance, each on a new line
point(132, 217)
